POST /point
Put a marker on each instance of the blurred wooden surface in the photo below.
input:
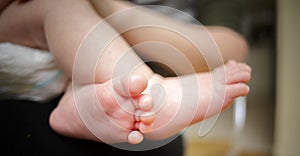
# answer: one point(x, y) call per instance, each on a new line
point(215, 148)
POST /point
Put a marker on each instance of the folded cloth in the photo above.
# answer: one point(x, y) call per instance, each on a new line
point(28, 73)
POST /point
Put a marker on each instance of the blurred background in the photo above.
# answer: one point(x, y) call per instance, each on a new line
point(271, 125)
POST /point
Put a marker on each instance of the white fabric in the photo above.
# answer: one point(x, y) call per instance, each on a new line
point(28, 73)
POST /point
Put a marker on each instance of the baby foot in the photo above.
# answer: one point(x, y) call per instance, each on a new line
point(185, 103)
point(109, 112)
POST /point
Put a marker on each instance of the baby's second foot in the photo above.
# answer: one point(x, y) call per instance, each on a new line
point(193, 98)
point(105, 112)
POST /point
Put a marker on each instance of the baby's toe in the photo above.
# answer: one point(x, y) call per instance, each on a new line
point(145, 128)
point(132, 85)
point(137, 84)
point(144, 117)
point(147, 118)
point(145, 103)
point(135, 137)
